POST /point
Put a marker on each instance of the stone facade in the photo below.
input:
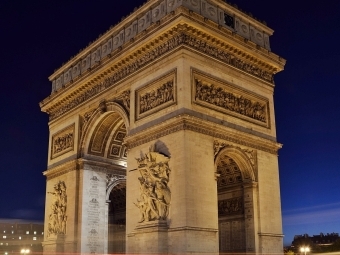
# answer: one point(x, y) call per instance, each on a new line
point(163, 132)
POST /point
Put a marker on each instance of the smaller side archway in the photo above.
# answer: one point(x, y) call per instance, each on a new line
point(116, 211)
point(236, 193)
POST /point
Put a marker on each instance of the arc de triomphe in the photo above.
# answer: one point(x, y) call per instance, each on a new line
point(163, 137)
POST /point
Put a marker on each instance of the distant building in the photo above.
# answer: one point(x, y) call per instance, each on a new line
point(317, 240)
point(17, 235)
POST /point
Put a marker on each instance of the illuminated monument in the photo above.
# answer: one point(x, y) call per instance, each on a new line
point(163, 137)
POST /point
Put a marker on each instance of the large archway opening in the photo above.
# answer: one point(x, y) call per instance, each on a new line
point(235, 173)
point(231, 220)
point(103, 145)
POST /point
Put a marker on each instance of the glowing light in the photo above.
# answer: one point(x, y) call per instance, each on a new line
point(25, 251)
point(305, 249)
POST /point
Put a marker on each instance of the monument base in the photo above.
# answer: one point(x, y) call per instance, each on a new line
point(54, 244)
point(149, 237)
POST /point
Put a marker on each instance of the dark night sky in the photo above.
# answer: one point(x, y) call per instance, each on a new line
point(38, 36)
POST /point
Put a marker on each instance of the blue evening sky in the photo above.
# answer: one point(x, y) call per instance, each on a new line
point(38, 36)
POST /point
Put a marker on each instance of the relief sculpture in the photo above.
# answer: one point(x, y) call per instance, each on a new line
point(62, 142)
point(124, 99)
point(230, 206)
point(155, 194)
point(147, 57)
point(220, 97)
point(57, 218)
point(157, 97)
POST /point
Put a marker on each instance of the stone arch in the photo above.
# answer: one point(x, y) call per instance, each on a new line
point(241, 159)
point(114, 182)
point(102, 144)
point(94, 118)
point(235, 197)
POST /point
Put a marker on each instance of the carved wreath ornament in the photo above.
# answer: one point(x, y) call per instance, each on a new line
point(155, 194)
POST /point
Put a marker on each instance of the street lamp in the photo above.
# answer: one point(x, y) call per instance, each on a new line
point(25, 251)
point(305, 249)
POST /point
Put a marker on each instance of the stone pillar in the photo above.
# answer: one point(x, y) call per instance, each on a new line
point(54, 244)
point(106, 233)
point(151, 237)
point(92, 222)
point(250, 214)
point(192, 224)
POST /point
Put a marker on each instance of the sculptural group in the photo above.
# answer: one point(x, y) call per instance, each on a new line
point(155, 194)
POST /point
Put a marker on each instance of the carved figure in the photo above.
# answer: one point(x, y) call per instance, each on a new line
point(63, 142)
point(177, 40)
point(154, 98)
point(155, 194)
point(218, 96)
point(58, 218)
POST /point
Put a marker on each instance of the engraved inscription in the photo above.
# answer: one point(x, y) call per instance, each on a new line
point(93, 214)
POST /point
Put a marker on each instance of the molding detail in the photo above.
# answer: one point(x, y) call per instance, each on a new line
point(155, 194)
point(129, 67)
point(250, 154)
point(63, 141)
point(124, 100)
point(61, 169)
point(57, 219)
point(112, 178)
point(215, 94)
point(85, 119)
point(186, 124)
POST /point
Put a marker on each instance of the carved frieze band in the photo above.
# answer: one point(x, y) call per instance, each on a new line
point(63, 141)
point(177, 40)
point(155, 96)
point(230, 206)
point(186, 125)
point(220, 96)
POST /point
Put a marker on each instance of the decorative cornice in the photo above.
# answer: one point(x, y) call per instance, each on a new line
point(130, 65)
point(86, 164)
point(61, 169)
point(140, 21)
point(271, 235)
point(189, 228)
point(78, 164)
point(190, 123)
